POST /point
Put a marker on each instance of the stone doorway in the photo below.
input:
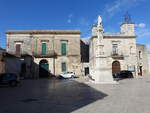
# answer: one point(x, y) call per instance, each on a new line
point(116, 67)
point(43, 69)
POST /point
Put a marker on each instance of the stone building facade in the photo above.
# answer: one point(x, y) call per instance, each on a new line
point(142, 60)
point(46, 52)
point(111, 53)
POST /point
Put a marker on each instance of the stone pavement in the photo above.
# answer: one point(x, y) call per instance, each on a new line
point(76, 96)
point(129, 96)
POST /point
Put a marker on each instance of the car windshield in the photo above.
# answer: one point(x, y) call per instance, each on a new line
point(67, 72)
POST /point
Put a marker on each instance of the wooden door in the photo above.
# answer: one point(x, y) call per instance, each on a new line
point(115, 67)
point(18, 49)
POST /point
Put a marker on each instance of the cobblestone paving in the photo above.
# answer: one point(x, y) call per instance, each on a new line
point(76, 96)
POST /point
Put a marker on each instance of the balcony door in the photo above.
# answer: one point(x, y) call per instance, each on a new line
point(115, 49)
point(43, 48)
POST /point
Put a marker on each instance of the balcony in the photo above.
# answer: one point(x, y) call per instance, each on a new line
point(20, 54)
point(118, 56)
point(50, 54)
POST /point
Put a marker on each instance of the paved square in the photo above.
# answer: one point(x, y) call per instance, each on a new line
point(76, 96)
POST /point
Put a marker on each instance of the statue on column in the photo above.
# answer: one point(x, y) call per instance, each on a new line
point(99, 25)
point(99, 33)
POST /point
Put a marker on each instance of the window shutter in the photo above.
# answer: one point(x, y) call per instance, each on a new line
point(63, 48)
point(43, 48)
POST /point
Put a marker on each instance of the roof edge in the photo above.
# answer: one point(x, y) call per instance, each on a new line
point(43, 32)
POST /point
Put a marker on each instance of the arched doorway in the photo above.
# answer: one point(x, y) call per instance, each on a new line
point(116, 67)
point(43, 69)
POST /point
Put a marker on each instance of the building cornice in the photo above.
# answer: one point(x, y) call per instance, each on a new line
point(127, 23)
point(116, 36)
point(43, 32)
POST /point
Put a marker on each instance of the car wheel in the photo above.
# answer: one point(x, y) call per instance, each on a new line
point(13, 83)
point(72, 76)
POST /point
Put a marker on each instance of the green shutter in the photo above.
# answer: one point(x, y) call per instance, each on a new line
point(63, 48)
point(43, 48)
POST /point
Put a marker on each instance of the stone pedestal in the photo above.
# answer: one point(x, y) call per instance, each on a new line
point(103, 76)
point(103, 71)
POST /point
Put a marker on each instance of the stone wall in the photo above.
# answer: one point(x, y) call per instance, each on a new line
point(142, 59)
point(23, 39)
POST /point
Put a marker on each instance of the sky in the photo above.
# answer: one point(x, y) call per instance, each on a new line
point(74, 15)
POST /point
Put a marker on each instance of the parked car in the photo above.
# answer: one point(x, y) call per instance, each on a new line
point(9, 78)
point(66, 75)
point(123, 74)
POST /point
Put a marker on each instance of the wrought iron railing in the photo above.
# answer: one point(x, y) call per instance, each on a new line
point(50, 53)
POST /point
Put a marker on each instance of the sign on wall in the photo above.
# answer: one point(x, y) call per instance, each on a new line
point(131, 68)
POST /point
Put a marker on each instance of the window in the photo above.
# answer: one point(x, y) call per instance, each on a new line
point(43, 48)
point(18, 49)
point(63, 48)
point(131, 68)
point(132, 51)
point(63, 67)
point(101, 49)
point(115, 49)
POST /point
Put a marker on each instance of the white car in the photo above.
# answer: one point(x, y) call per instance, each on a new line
point(67, 75)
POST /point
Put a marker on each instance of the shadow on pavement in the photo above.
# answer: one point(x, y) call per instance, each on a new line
point(48, 96)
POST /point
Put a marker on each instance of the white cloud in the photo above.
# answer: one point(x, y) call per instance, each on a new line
point(69, 21)
point(70, 18)
point(141, 25)
point(120, 5)
point(143, 32)
point(70, 15)
point(84, 22)
point(114, 7)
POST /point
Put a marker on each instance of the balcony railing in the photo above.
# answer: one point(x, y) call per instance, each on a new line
point(117, 55)
point(49, 54)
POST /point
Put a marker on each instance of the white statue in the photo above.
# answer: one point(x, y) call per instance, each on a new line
point(99, 20)
point(99, 26)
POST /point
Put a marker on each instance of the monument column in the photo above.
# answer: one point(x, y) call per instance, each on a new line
point(103, 70)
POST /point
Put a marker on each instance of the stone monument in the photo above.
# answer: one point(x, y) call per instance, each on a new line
point(103, 71)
